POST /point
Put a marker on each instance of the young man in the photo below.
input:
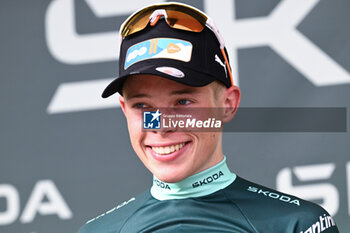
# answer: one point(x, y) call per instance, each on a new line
point(173, 57)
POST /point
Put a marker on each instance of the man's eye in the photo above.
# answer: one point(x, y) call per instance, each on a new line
point(183, 102)
point(139, 105)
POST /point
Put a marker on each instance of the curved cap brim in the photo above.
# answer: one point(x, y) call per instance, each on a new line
point(189, 77)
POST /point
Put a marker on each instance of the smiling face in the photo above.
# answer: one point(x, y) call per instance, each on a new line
point(172, 155)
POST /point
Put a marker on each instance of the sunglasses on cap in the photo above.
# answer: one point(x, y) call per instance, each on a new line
point(178, 16)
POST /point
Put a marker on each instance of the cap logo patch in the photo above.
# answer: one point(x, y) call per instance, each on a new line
point(159, 48)
point(218, 60)
point(173, 48)
point(171, 71)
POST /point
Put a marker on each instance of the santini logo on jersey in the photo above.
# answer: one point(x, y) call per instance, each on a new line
point(208, 180)
point(323, 224)
point(274, 195)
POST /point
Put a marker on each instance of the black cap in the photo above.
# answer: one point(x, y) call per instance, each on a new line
point(190, 58)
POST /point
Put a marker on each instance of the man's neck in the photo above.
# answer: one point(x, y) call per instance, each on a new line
point(201, 184)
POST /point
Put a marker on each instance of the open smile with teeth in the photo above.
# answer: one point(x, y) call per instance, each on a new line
point(163, 150)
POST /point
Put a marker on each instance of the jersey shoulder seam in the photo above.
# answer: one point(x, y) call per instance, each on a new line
point(240, 210)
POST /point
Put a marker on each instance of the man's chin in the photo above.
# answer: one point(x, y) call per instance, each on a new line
point(170, 175)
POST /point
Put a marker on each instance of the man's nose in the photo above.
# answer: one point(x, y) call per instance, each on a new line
point(168, 121)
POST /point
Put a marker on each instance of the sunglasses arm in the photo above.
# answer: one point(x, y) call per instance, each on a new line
point(211, 25)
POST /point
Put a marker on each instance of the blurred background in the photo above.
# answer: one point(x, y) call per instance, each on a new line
point(65, 155)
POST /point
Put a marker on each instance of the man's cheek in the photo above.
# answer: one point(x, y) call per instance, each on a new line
point(134, 123)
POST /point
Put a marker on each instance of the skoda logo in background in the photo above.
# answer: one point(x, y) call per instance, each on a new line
point(277, 30)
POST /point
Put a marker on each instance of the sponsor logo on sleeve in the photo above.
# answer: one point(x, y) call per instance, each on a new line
point(321, 225)
point(273, 195)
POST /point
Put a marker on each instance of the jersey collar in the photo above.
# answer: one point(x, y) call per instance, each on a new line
point(201, 184)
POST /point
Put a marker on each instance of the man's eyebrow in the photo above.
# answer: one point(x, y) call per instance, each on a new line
point(140, 95)
point(177, 92)
point(184, 91)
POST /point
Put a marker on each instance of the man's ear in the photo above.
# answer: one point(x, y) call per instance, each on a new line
point(232, 100)
point(122, 103)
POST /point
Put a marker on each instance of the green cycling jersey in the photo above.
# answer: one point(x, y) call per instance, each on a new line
point(215, 200)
